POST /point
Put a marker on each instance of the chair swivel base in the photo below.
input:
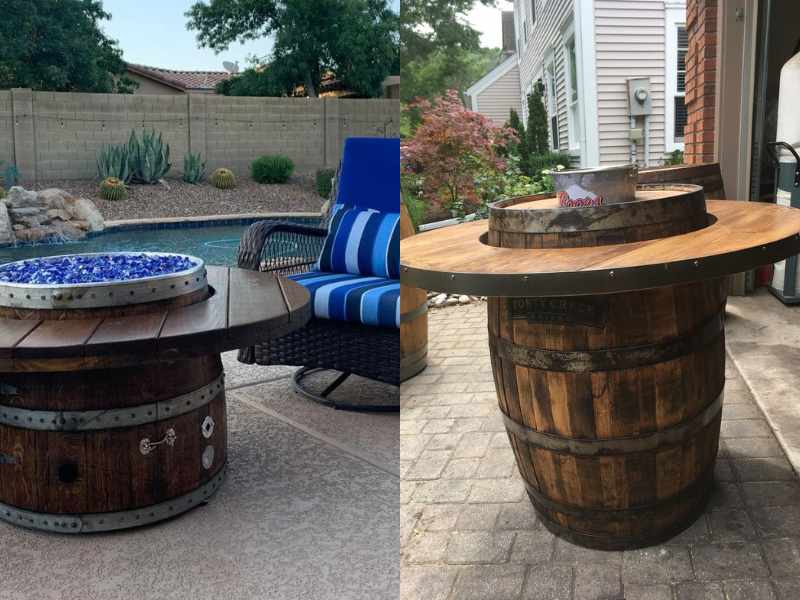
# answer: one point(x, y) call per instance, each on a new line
point(324, 397)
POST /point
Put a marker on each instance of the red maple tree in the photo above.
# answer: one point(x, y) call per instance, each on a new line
point(450, 148)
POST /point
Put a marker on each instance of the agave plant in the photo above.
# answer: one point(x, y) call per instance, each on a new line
point(112, 161)
point(193, 167)
point(148, 157)
point(10, 175)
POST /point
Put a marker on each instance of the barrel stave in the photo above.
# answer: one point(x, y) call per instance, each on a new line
point(611, 496)
point(103, 470)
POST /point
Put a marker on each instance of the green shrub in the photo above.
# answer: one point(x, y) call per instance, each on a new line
point(193, 167)
point(2, 192)
point(674, 158)
point(545, 162)
point(272, 169)
point(325, 182)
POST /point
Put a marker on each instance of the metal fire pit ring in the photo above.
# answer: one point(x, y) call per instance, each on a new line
point(108, 294)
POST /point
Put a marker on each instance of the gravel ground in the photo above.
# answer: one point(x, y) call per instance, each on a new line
point(186, 200)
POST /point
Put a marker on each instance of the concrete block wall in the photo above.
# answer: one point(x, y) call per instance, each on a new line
point(237, 130)
point(6, 130)
point(70, 129)
point(52, 135)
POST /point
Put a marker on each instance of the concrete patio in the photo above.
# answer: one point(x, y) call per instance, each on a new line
point(308, 511)
point(468, 530)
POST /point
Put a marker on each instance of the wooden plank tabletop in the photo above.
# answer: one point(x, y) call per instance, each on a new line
point(744, 235)
point(245, 307)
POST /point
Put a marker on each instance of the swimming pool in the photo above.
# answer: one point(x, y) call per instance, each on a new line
point(215, 244)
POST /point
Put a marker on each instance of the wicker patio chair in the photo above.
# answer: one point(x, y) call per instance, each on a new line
point(368, 178)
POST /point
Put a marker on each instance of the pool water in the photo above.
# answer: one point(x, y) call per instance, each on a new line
point(216, 245)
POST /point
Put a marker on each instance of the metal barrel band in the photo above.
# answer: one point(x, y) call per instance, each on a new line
point(414, 313)
point(94, 420)
point(697, 489)
point(670, 436)
point(111, 521)
point(413, 363)
point(604, 542)
point(503, 217)
point(580, 361)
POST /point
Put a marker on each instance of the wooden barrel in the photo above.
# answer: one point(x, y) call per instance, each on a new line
point(612, 405)
point(538, 221)
point(413, 317)
point(132, 443)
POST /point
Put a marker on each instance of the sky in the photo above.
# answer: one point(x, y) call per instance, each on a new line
point(153, 33)
point(487, 21)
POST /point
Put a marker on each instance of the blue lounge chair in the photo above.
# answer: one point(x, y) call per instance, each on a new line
point(351, 269)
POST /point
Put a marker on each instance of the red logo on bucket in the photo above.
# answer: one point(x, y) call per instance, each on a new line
point(565, 201)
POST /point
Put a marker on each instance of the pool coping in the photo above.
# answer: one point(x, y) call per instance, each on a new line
point(202, 221)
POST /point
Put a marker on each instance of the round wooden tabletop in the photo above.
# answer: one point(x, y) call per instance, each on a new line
point(246, 307)
point(742, 235)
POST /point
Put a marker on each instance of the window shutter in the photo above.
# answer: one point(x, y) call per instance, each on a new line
point(680, 116)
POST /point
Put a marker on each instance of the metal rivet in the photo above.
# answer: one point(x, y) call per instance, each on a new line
point(697, 263)
point(611, 273)
point(452, 276)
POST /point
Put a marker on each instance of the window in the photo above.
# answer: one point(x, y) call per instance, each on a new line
point(552, 108)
point(573, 100)
point(676, 45)
point(680, 88)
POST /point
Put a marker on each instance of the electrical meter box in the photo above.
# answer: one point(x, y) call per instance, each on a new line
point(639, 96)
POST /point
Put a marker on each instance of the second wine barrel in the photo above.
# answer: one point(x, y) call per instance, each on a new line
point(413, 317)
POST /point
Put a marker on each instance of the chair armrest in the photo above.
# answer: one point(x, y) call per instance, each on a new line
point(280, 247)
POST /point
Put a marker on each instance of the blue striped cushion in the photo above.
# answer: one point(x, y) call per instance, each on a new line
point(348, 297)
point(362, 242)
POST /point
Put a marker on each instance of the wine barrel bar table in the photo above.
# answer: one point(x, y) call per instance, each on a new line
point(606, 333)
point(112, 395)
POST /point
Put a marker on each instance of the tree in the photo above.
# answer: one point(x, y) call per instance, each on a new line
point(356, 41)
point(432, 75)
point(439, 47)
point(57, 45)
point(430, 25)
point(451, 148)
point(520, 147)
point(537, 123)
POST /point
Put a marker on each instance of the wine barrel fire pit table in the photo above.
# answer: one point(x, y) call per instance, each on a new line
point(112, 395)
point(606, 333)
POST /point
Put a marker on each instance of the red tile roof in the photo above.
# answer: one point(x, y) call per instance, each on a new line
point(184, 80)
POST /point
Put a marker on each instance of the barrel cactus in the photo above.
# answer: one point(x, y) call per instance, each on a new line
point(112, 188)
point(223, 179)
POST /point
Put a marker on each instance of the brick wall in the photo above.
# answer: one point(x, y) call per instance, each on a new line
point(701, 74)
point(53, 135)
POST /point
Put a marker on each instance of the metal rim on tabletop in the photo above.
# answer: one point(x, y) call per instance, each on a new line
point(600, 281)
point(106, 294)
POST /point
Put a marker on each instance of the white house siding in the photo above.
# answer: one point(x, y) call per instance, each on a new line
point(501, 96)
point(629, 42)
point(552, 16)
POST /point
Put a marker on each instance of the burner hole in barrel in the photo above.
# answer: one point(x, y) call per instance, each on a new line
point(68, 472)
